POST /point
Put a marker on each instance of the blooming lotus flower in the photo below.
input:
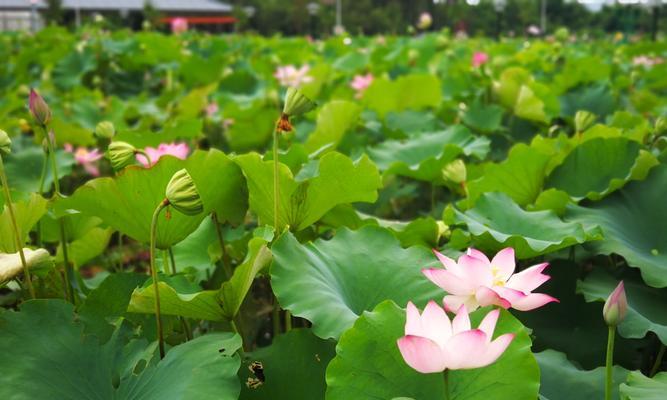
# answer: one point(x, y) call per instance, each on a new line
point(474, 281)
point(178, 150)
point(360, 83)
point(479, 58)
point(425, 21)
point(290, 76)
point(86, 158)
point(433, 343)
point(179, 25)
point(616, 306)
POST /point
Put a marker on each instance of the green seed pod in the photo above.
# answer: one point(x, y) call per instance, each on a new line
point(121, 154)
point(105, 130)
point(38, 108)
point(296, 103)
point(583, 120)
point(455, 171)
point(5, 143)
point(182, 193)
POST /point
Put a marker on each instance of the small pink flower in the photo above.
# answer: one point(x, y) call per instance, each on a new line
point(425, 21)
point(433, 343)
point(360, 83)
point(616, 306)
point(474, 281)
point(178, 150)
point(179, 25)
point(479, 58)
point(212, 109)
point(646, 61)
point(86, 158)
point(290, 76)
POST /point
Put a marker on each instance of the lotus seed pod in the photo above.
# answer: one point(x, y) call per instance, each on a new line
point(121, 154)
point(38, 108)
point(296, 103)
point(183, 195)
point(105, 130)
point(455, 171)
point(5, 143)
point(616, 306)
point(583, 120)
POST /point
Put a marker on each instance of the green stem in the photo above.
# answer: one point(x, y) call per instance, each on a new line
point(173, 261)
point(288, 321)
point(275, 317)
point(17, 233)
point(153, 239)
point(42, 179)
point(446, 378)
point(276, 181)
point(54, 162)
point(69, 271)
point(658, 361)
point(226, 261)
point(610, 363)
point(120, 251)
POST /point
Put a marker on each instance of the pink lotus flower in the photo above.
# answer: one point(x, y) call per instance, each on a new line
point(179, 25)
point(360, 83)
point(433, 343)
point(425, 21)
point(479, 58)
point(179, 150)
point(616, 306)
point(474, 281)
point(290, 76)
point(212, 109)
point(86, 158)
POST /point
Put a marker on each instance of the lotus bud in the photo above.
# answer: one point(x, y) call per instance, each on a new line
point(105, 130)
point(296, 103)
point(583, 120)
point(660, 126)
point(183, 195)
point(121, 154)
point(616, 306)
point(38, 108)
point(5, 143)
point(455, 171)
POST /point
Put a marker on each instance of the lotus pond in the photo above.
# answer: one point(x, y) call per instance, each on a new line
point(235, 217)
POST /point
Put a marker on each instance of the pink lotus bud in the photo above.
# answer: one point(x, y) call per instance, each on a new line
point(38, 108)
point(616, 306)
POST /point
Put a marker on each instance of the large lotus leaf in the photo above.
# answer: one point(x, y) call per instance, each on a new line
point(560, 379)
point(520, 176)
point(334, 179)
point(641, 387)
point(66, 364)
point(194, 254)
point(234, 291)
point(197, 305)
point(84, 249)
point(408, 92)
point(485, 118)
point(331, 282)
point(24, 169)
point(69, 70)
point(507, 88)
point(424, 155)
point(333, 121)
point(368, 364)
point(633, 225)
point(27, 214)
point(497, 222)
point(529, 106)
point(599, 166)
point(294, 367)
point(646, 305)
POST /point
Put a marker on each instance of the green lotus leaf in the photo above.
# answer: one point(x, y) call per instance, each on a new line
point(368, 364)
point(485, 118)
point(497, 222)
point(646, 305)
point(632, 225)
point(84, 249)
point(294, 367)
point(333, 122)
point(24, 169)
point(334, 179)
point(408, 92)
point(330, 283)
point(27, 213)
point(197, 305)
point(72, 365)
point(641, 387)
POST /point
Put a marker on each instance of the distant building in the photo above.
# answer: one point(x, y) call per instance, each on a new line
point(207, 14)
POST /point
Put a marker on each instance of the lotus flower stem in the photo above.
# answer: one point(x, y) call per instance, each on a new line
point(163, 204)
point(658, 360)
point(276, 181)
point(288, 321)
point(610, 363)
point(42, 179)
point(17, 234)
point(172, 260)
point(226, 262)
point(446, 377)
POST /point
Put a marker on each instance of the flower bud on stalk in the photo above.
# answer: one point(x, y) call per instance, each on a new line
point(183, 195)
point(583, 120)
point(105, 130)
point(616, 306)
point(296, 103)
point(39, 109)
point(121, 154)
point(5, 143)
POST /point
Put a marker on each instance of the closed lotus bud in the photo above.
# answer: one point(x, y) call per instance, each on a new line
point(5, 143)
point(616, 306)
point(661, 126)
point(39, 109)
point(583, 120)
point(121, 154)
point(296, 103)
point(183, 195)
point(455, 171)
point(105, 130)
